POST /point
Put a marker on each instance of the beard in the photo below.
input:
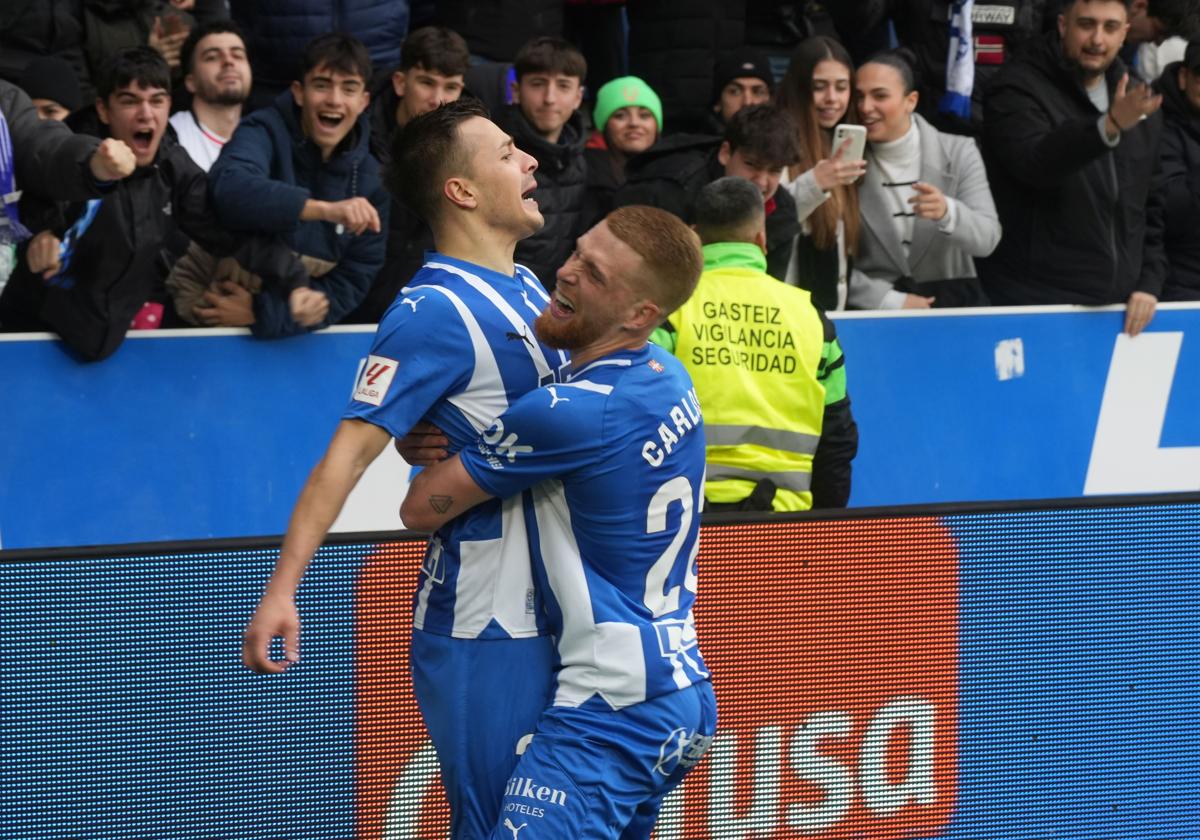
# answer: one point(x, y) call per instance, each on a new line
point(223, 96)
point(570, 335)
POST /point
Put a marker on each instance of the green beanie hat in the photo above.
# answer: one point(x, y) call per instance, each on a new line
point(621, 93)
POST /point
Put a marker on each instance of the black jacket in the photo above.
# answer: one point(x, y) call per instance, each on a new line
point(1073, 209)
point(1174, 214)
point(561, 186)
point(1002, 29)
point(670, 175)
point(673, 45)
point(114, 265)
point(408, 237)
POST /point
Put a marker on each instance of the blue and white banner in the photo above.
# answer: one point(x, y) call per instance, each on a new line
point(193, 434)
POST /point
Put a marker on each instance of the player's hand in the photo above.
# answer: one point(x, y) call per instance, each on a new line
point(112, 160)
point(424, 444)
point(929, 202)
point(836, 171)
point(1139, 312)
point(1130, 105)
point(275, 618)
point(917, 302)
point(229, 305)
point(42, 254)
point(308, 306)
point(356, 215)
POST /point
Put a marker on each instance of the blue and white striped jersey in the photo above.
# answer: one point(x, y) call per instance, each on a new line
point(614, 455)
point(456, 349)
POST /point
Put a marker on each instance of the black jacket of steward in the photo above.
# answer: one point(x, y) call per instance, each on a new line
point(114, 266)
point(671, 173)
point(1174, 212)
point(561, 175)
point(1073, 209)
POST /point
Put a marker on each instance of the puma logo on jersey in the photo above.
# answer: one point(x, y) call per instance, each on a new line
point(521, 336)
point(413, 302)
point(555, 399)
point(515, 829)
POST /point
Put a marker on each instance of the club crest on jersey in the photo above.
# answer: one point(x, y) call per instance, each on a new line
point(375, 379)
point(498, 448)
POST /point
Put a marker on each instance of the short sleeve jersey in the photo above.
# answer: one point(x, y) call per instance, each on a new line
point(615, 458)
point(456, 348)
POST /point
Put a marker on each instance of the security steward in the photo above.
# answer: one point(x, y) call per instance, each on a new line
point(767, 367)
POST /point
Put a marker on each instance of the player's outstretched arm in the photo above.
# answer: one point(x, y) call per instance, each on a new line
point(440, 493)
point(355, 445)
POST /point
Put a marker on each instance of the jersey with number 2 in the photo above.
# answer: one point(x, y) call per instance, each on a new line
point(615, 459)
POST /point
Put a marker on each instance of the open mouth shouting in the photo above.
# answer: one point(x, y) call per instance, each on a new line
point(330, 120)
point(527, 194)
point(560, 305)
point(142, 142)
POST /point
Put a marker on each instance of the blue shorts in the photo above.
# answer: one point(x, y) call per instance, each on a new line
point(592, 773)
point(479, 698)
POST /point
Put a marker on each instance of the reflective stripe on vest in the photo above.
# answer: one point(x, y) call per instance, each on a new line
point(782, 439)
point(799, 482)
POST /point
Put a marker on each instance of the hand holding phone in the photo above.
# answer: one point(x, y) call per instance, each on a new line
point(847, 164)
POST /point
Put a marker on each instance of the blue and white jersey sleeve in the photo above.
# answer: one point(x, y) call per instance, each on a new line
point(409, 368)
point(548, 433)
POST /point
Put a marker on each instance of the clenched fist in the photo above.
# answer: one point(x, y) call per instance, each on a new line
point(112, 160)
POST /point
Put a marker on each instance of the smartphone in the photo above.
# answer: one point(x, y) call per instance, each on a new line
point(856, 134)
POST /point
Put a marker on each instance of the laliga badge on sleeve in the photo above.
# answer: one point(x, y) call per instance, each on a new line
point(375, 379)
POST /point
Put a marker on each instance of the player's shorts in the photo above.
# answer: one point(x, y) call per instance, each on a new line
point(479, 698)
point(592, 773)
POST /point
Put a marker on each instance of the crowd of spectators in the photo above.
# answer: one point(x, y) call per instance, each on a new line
point(1017, 152)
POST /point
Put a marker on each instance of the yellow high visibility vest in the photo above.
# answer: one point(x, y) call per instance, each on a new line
point(753, 347)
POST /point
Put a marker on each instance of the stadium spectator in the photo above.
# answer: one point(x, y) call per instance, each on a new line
point(605, 454)
point(628, 116)
point(741, 78)
point(53, 86)
point(816, 92)
point(277, 31)
point(33, 30)
point(999, 33)
point(760, 143)
point(1158, 35)
point(302, 169)
point(218, 76)
point(433, 62)
point(43, 156)
point(97, 274)
point(496, 30)
point(455, 351)
point(1069, 144)
point(927, 210)
point(772, 381)
point(546, 123)
point(1174, 213)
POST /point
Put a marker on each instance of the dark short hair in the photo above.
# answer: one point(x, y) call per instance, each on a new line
point(425, 151)
point(725, 209)
point(1180, 17)
point(904, 62)
point(143, 66)
point(338, 51)
point(202, 31)
point(435, 48)
point(669, 249)
point(548, 54)
point(766, 133)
